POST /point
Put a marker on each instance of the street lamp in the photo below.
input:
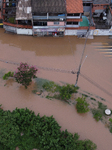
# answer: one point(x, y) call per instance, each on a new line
point(82, 57)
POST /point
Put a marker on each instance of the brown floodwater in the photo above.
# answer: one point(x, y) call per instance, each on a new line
point(64, 54)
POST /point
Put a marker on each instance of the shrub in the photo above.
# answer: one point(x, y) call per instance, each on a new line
point(63, 92)
point(7, 75)
point(102, 107)
point(110, 119)
point(25, 74)
point(66, 91)
point(50, 86)
point(97, 114)
point(82, 105)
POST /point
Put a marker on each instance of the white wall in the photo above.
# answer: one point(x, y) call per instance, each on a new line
point(102, 32)
point(70, 32)
point(24, 31)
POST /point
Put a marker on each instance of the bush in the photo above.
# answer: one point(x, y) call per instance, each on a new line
point(66, 91)
point(50, 86)
point(41, 133)
point(7, 75)
point(82, 105)
point(25, 74)
point(97, 114)
point(63, 92)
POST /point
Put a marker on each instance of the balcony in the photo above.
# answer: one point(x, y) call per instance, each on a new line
point(73, 16)
point(61, 18)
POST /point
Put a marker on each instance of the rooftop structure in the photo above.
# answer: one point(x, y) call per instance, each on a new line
point(24, 10)
point(74, 6)
point(48, 6)
point(101, 2)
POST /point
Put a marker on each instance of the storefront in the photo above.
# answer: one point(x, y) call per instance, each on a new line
point(48, 31)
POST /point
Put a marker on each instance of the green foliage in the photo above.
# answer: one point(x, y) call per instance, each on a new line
point(25, 74)
point(50, 86)
point(12, 20)
point(110, 127)
point(86, 145)
point(61, 92)
point(66, 91)
point(110, 119)
point(101, 106)
point(85, 95)
point(7, 75)
point(82, 105)
point(42, 133)
point(97, 114)
point(93, 99)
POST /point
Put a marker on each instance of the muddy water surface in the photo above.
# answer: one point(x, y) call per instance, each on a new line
point(64, 54)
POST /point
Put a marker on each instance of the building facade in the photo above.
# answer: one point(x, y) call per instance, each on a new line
point(56, 17)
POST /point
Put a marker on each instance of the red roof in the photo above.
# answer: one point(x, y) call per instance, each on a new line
point(74, 6)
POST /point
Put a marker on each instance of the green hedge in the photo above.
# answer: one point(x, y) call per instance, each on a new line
point(38, 132)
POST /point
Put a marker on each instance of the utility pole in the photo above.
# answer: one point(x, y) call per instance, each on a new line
point(78, 72)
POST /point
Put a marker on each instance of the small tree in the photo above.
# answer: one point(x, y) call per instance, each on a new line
point(82, 105)
point(25, 74)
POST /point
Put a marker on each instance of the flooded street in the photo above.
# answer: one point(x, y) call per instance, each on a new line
point(63, 54)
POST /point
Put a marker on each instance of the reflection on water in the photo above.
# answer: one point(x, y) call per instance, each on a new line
point(62, 53)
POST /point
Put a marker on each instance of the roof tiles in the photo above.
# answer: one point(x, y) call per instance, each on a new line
point(74, 6)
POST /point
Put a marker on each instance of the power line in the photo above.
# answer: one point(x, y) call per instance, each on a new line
point(43, 68)
point(95, 84)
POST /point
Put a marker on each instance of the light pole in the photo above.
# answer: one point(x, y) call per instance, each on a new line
point(78, 72)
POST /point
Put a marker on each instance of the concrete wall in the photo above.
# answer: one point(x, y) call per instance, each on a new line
point(78, 32)
point(102, 32)
point(70, 32)
point(87, 8)
point(24, 31)
point(52, 24)
point(10, 29)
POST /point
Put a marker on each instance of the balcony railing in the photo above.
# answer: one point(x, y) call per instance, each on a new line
point(61, 18)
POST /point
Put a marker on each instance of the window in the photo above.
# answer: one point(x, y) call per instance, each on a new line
point(39, 23)
point(57, 23)
point(86, 4)
point(72, 23)
point(24, 22)
point(76, 14)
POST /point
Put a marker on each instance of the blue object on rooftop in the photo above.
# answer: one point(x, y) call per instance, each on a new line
point(61, 15)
